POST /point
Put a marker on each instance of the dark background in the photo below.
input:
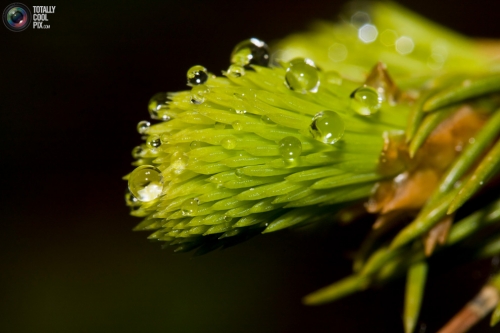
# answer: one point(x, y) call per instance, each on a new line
point(70, 100)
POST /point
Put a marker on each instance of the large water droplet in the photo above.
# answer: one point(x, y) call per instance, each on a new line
point(250, 52)
point(290, 149)
point(365, 101)
point(198, 94)
point(143, 126)
point(197, 75)
point(190, 207)
point(158, 105)
point(327, 127)
point(154, 141)
point(302, 76)
point(146, 183)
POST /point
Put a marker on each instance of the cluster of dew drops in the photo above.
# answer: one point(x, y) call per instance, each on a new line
point(145, 183)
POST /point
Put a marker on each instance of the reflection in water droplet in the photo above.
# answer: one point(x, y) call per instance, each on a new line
point(154, 141)
point(327, 127)
point(365, 101)
point(197, 75)
point(190, 207)
point(368, 33)
point(302, 76)
point(158, 106)
point(333, 77)
point(198, 94)
point(250, 52)
point(146, 183)
point(290, 149)
point(143, 126)
point(266, 120)
point(229, 142)
point(234, 71)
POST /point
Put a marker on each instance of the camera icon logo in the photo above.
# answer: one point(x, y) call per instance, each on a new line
point(16, 17)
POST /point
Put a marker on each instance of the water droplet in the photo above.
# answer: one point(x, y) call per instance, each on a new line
point(143, 126)
point(190, 207)
point(229, 142)
point(266, 120)
point(154, 141)
point(333, 77)
point(197, 75)
point(327, 127)
point(196, 144)
point(227, 218)
point(290, 149)
point(198, 94)
point(250, 52)
point(137, 152)
point(381, 81)
point(130, 200)
point(178, 160)
point(146, 183)
point(158, 105)
point(165, 138)
point(365, 101)
point(235, 71)
point(237, 125)
point(302, 76)
point(219, 126)
point(239, 173)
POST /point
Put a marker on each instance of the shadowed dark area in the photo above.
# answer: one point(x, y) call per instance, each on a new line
point(69, 262)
